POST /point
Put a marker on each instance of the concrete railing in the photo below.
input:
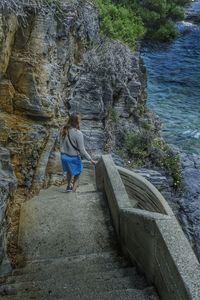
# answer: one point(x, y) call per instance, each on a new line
point(141, 190)
point(151, 236)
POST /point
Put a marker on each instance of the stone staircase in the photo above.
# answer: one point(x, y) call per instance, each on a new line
point(71, 250)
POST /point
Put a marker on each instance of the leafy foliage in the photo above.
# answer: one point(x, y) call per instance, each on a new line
point(113, 115)
point(144, 149)
point(158, 16)
point(169, 162)
point(120, 23)
point(137, 145)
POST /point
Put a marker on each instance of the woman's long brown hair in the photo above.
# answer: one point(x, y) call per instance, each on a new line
point(73, 121)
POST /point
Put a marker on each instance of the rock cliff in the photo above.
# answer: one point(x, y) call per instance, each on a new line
point(54, 62)
point(7, 188)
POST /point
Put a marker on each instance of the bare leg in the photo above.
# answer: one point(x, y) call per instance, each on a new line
point(76, 182)
point(64, 179)
point(69, 179)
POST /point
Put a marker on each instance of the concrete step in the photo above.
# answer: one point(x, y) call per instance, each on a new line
point(55, 192)
point(59, 289)
point(53, 198)
point(71, 250)
point(59, 226)
point(75, 276)
point(86, 188)
point(95, 262)
point(117, 294)
point(125, 294)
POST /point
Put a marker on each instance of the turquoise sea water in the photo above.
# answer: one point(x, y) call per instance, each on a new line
point(174, 86)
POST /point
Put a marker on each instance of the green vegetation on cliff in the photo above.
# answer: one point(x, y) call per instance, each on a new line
point(124, 19)
point(144, 148)
point(118, 22)
point(159, 16)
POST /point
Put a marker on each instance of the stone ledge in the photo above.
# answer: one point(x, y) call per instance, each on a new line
point(153, 240)
point(141, 189)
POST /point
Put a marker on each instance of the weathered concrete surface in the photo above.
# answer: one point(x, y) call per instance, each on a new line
point(141, 190)
point(71, 250)
point(110, 182)
point(56, 224)
point(171, 263)
point(186, 203)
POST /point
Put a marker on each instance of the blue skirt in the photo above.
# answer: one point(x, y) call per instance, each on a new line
point(71, 164)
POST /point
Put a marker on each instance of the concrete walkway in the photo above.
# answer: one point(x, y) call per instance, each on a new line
point(71, 250)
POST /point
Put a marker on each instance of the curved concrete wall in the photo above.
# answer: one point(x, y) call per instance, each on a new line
point(141, 190)
point(150, 236)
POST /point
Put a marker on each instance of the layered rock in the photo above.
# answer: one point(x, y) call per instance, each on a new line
point(57, 62)
point(110, 84)
point(36, 55)
point(190, 201)
point(54, 62)
point(25, 139)
point(7, 188)
point(193, 12)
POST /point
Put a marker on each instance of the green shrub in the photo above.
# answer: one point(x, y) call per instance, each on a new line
point(139, 149)
point(165, 33)
point(172, 164)
point(158, 16)
point(136, 145)
point(176, 12)
point(169, 162)
point(146, 126)
point(119, 22)
point(113, 115)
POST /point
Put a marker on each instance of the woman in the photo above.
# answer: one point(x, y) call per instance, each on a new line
point(72, 145)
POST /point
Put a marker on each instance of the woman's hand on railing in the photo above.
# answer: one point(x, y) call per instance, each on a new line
point(94, 162)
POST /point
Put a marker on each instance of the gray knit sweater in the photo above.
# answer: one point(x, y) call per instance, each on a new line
point(76, 138)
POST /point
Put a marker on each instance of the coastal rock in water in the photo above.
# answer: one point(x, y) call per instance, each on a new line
point(190, 202)
point(191, 173)
point(193, 12)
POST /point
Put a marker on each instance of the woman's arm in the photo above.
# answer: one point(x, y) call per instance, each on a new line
point(81, 146)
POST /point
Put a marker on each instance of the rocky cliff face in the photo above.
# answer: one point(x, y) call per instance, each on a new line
point(7, 188)
point(55, 62)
